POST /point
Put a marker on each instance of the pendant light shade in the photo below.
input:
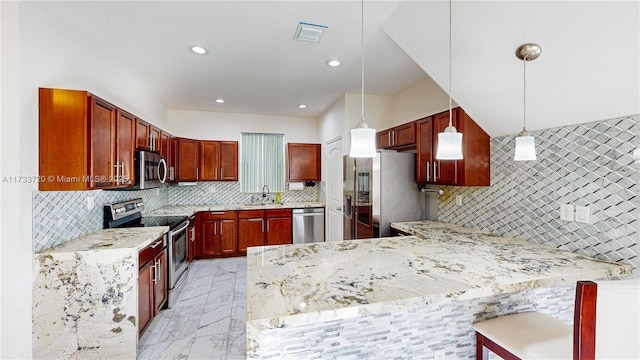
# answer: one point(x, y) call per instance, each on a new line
point(449, 144)
point(525, 143)
point(363, 142)
point(525, 148)
point(363, 138)
point(449, 141)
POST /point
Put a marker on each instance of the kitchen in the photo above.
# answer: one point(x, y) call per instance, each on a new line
point(36, 50)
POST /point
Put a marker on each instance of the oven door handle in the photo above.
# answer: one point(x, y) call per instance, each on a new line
point(182, 228)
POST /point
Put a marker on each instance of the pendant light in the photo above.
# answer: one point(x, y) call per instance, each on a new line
point(525, 143)
point(363, 138)
point(449, 141)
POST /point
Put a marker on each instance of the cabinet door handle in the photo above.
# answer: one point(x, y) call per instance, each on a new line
point(215, 226)
point(123, 175)
point(267, 225)
point(435, 171)
point(393, 138)
point(428, 171)
point(389, 136)
point(217, 213)
point(155, 272)
point(155, 244)
point(221, 173)
point(197, 173)
point(221, 228)
point(215, 176)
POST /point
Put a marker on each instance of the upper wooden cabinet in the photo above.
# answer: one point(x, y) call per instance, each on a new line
point(84, 142)
point(304, 162)
point(473, 170)
point(206, 160)
point(187, 160)
point(400, 137)
point(148, 137)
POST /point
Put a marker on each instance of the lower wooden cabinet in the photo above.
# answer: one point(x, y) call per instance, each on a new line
point(230, 233)
point(193, 233)
point(217, 234)
point(152, 282)
point(279, 231)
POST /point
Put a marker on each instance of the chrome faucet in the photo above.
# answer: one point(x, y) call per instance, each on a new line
point(264, 194)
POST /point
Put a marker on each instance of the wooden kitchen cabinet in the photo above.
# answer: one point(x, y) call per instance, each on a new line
point(148, 137)
point(165, 146)
point(218, 234)
point(209, 160)
point(304, 162)
point(193, 233)
point(172, 160)
point(251, 229)
point(206, 160)
point(279, 229)
point(152, 282)
point(84, 142)
point(187, 160)
point(473, 170)
point(401, 137)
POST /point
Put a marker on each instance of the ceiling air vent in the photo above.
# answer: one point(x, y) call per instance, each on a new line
point(309, 32)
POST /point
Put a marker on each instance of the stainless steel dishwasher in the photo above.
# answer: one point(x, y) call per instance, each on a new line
point(308, 225)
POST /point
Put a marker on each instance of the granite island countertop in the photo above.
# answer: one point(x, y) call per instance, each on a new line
point(188, 210)
point(85, 295)
point(304, 284)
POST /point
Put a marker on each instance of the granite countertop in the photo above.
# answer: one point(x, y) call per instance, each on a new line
point(123, 238)
point(188, 210)
point(307, 283)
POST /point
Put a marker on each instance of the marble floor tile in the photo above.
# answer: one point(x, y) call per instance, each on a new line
point(237, 344)
point(209, 318)
point(216, 319)
point(178, 349)
point(209, 347)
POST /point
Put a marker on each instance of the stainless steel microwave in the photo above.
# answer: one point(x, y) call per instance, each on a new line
point(151, 170)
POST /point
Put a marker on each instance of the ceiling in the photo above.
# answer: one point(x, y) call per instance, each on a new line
point(252, 63)
point(589, 69)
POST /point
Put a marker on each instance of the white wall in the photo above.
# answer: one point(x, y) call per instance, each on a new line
point(37, 51)
point(423, 99)
point(205, 125)
point(331, 125)
point(15, 241)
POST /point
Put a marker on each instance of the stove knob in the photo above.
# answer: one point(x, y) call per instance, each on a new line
point(139, 204)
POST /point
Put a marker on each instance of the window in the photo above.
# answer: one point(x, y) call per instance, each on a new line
point(262, 162)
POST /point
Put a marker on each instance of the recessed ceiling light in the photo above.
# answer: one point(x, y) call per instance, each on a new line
point(199, 50)
point(333, 63)
point(302, 106)
point(220, 101)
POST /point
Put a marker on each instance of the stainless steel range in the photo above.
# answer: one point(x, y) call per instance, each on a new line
point(129, 214)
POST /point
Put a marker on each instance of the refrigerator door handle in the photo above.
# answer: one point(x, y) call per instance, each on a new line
point(428, 171)
point(435, 171)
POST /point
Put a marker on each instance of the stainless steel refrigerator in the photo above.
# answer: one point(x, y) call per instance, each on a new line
point(379, 191)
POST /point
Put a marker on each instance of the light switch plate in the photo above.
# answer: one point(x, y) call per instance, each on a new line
point(459, 200)
point(90, 203)
point(582, 214)
point(566, 212)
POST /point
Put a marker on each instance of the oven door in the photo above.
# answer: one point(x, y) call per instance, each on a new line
point(178, 261)
point(151, 170)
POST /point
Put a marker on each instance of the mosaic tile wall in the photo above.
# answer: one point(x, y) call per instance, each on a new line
point(228, 192)
point(412, 334)
point(584, 165)
point(59, 216)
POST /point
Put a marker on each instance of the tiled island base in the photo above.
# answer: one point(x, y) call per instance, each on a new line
point(403, 297)
point(409, 334)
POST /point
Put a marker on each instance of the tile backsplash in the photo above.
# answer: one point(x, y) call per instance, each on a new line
point(60, 216)
point(585, 165)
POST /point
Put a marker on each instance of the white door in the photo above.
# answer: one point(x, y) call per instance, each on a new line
point(334, 190)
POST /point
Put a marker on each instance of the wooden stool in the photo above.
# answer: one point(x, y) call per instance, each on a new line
point(612, 305)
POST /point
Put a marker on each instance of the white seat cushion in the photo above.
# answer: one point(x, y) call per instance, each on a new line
point(530, 335)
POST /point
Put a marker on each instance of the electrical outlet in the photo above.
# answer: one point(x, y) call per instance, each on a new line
point(439, 355)
point(212, 189)
point(582, 214)
point(90, 203)
point(459, 200)
point(566, 212)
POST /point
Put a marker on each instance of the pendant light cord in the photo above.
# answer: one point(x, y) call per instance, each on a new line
point(362, 58)
point(524, 95)
point(450, 110)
